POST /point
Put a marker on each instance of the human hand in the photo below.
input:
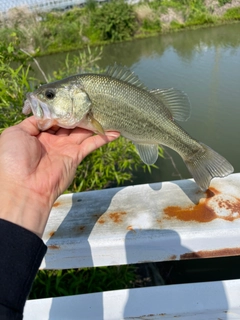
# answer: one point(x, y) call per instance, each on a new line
point(36, 167)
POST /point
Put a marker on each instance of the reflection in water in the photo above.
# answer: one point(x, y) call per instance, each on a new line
point(204, 63)
point(187, 44)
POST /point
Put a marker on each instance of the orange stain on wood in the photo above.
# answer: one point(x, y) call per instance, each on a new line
point(172, 257)
point(203, 212)
point(51, 234)
point(53, 247)
point(117, 217)
point(226, 252)
point(56, 204)
point(199, 213)
point(101, 221)
point(130, 228)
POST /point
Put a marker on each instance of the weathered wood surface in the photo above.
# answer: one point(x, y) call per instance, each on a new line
point(151, 222)
point(156, 222)
point(199, 301)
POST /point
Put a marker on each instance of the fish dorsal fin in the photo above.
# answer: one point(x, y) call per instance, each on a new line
point(176, 101)
point(147, 152)
point(124, 74)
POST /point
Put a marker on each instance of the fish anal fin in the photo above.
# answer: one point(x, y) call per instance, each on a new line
point(147, 152)
point(124, 74)
point(176, 101)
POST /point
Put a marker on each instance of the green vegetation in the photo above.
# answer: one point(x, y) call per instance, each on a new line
point(223, 2)
point(53, 283)
point(112, 21)
point(14, 83)
point(232, 14)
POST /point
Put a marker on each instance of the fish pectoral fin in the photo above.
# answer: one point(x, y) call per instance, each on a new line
point(96, 125)
point(147, 152)
point(176, 101)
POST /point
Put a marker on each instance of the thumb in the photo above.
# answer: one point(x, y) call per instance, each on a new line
point(30, 126)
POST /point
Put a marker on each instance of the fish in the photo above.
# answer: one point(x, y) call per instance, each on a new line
point(117, 100)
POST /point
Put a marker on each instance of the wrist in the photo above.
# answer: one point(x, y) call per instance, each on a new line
point(24, 208)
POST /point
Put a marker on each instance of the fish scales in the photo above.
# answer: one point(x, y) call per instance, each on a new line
point(116, 110)
point(117, 100)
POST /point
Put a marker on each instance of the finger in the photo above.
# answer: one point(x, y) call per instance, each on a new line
point(95, 142)
point(30, 126)
point(54, 129)
point(62, 132)
point(78, 135)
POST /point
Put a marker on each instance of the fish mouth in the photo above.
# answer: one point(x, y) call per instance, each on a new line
point(40, 110)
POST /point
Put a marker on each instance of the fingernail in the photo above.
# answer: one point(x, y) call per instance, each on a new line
point(114, 134)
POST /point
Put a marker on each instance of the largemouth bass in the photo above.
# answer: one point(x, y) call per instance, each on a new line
point(117, 100)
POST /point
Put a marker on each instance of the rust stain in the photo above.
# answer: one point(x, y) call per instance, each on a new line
point(101, 221)
point(130, 228)
point(116, 217)
point(199, 213)
point(172, 257)
point(98, 218)
point(148, 316)
point(76, 230)
point(211, 192)
point(53, 247)
point(211, 253)
point(56, 204)
point(203, 212)
point(51, 234)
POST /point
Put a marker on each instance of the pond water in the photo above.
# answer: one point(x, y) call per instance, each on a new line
point(205, 63)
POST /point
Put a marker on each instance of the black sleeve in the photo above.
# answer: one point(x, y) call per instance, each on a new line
point(21, 253)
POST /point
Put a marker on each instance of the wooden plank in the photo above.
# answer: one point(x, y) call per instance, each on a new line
point(151, 222)
point(208, 301)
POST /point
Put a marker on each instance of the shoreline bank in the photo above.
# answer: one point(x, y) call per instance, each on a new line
point(112, 22)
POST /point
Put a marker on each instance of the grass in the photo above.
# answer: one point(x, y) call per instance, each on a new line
point(232, 14)
point(55, 283)
point(113, 21)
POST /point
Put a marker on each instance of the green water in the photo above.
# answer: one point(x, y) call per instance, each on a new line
point(205, 63)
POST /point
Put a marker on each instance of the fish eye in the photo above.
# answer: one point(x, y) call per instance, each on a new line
point(49, 94)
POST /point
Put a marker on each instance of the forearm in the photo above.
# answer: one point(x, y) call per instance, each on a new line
point(21, 254)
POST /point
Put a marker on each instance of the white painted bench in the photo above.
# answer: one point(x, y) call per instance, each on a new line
point(144, 223)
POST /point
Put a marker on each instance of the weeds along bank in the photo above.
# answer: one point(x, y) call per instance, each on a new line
point(44, 33)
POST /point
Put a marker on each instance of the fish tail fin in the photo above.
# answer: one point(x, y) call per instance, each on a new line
point(206, 165)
